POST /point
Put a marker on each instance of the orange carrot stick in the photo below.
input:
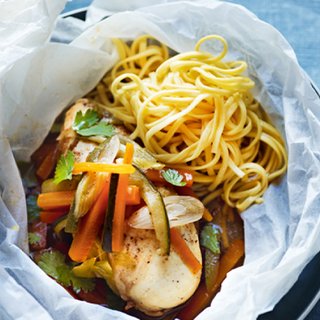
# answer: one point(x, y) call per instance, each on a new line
point(48, 164)
point(133, 196)
point(120, 204)
point(202, 297)
point(183, 250)
point(102, 167)
point(52, 216)
point(89, 226)
point(54, 200)
point(207, 215)
point(62, 199)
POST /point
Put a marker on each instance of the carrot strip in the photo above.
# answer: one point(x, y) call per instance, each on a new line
point(89, 226)
point(156, 176)
point(120, 204)
point(133, 196)
point(62, 199)
point(54, 200)
point(52, 216)
point(102, 167)
point(48, 164)
point(184, 252)
point(202, 297)
point(207, 215)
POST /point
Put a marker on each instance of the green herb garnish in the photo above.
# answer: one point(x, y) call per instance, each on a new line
point(32, 208)
point(209, 238)
point(88, 124)
point(86, 120)
point(174, 177)
point(53, 263)
point(33, 238)
point(100, 129)
point(64, 168)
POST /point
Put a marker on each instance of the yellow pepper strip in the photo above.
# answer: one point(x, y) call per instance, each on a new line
point(85, 269)
point(102, 167)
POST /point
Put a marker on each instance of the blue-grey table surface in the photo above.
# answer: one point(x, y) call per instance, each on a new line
point(298, 21)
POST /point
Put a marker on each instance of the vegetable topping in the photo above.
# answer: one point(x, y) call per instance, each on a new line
point(64, 168)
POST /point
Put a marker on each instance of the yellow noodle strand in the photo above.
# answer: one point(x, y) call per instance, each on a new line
point(195, 111)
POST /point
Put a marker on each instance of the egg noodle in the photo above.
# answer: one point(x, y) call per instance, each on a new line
point(195, 111)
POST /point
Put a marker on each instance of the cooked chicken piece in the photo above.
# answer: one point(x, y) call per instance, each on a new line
point(67, 139)
point(157, 283)
point(82, 150)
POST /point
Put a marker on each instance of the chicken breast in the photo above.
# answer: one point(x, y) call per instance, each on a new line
point(156, 283)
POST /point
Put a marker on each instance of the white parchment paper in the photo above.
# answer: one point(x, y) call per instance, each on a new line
point(38, 79)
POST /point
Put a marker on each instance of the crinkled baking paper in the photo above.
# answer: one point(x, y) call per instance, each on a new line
point(38, 79)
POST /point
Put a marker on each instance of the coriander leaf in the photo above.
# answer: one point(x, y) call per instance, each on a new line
point(83, 284)
point(100, 129)
point(86, 120)
point(53, 263)
point(50, 262)
point(209, 238)
point(64, 168)
point(32, 208)
point(33, 237)
point(174, 177)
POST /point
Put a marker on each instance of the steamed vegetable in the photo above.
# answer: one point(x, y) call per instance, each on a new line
point(91, 182)
point(180, 209)
point(108, 220)
point(89, 226)
point(64, 168)
point(54, 264)
point(87, 192)
point(63, 199)
point(52, 216)
point(102, 167)
point(202, 297)
point(66, 185)
point(184, 252)
point(120, 203)
point(210, 240)
point(54, 200)
point(87, 124)
point(48, 164)
point(158, 211)
point(142, 158)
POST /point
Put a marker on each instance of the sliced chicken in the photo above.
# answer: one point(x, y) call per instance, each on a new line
point(156, 283)
point(82, 150)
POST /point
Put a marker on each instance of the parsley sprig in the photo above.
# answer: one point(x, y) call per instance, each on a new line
point(64, 168)
point(174, 177)
point(87, 124)
point(53, 263)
